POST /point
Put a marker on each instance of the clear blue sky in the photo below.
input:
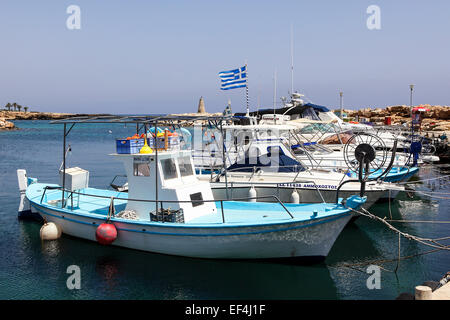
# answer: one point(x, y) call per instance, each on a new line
point(161, 56)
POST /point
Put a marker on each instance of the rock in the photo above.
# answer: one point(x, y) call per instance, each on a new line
point(444, 114)
point(398, 109)
point(377, 119)
point(402, 114)
point(6, 125)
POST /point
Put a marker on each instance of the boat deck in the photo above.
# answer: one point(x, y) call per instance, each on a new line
point(234, 212)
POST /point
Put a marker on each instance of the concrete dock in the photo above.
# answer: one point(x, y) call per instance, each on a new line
point(425, 293)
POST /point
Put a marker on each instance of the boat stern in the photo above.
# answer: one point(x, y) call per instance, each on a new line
point(25, 210)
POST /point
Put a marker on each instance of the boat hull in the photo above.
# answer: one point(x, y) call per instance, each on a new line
point(301, 239)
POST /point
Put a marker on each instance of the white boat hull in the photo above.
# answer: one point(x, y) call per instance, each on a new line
point(307, 195)
point(305, 239)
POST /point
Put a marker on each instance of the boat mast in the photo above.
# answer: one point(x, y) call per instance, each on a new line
point(156, 164)
point(292, 58)
point(274, 92)
point(64, 168)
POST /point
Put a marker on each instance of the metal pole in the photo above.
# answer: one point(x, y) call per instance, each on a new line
point(156, 165)
point(223, 158)
point(223, 215)
point(292, 58)
point(411, 87)
point(274, 92)
point(342, 105)
point(246, 86)
point(64, 167)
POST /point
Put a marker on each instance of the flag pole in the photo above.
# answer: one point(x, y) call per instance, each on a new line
point(246, 86)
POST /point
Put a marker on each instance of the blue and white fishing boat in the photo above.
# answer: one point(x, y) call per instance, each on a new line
point(168, 210)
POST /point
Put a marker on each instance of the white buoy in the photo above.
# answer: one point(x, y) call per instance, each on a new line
point(50, 231)
point(423, 293)
point(252, 194)
point(295, 197)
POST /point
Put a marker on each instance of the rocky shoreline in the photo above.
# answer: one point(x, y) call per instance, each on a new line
point(6, 116)
point(436, 119)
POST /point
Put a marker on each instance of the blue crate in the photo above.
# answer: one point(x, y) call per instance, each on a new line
point(124, 146)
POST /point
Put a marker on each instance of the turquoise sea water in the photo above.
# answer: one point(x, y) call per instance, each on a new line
point(32, 269)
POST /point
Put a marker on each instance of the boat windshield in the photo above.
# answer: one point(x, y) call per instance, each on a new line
point(185, 166)
point(275, 159)
point(169, 169)
point(311, 147)
point(319, 127)
point(309, 113)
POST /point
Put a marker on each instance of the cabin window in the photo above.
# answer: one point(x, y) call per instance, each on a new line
point(169, 169)
point(185, 166)
point(141, 169)
point(197, 199)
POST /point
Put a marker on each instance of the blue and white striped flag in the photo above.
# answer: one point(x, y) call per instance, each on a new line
point(233, 79)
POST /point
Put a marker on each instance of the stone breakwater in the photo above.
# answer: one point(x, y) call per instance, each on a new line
point(15, 115)
point(436, 119)
point(6, 125)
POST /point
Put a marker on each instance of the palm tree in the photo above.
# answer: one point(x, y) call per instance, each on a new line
point(19, 107)
point(8, 106)
point(15, 106)
point(26, 109)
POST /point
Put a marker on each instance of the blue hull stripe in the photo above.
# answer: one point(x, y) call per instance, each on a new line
point(205, 235)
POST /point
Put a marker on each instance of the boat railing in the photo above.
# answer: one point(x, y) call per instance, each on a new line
point(256, 183)
point(259, 183)
point(159, 203)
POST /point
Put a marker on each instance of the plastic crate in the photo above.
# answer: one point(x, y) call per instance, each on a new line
point(124, 146)
point(176, 216)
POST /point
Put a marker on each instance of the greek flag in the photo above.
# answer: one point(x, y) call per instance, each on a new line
point(233, 79)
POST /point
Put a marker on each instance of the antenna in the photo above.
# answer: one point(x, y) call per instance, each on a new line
point(292, 58)
point(274, 90)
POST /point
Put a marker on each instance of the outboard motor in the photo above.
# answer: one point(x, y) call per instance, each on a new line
point(415, 150)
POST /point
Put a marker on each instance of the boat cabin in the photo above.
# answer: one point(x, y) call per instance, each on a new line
point(175, 181)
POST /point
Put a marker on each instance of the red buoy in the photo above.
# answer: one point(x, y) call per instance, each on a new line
point(106, 233)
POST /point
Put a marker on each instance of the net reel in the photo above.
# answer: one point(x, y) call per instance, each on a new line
point(367, 148)
point(366, 153)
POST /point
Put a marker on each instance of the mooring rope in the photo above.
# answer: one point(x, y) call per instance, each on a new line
point(417, 221)
point(424, 241)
